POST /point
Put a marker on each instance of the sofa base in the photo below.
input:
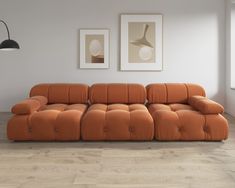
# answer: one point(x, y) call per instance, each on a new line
point(45, 126)
point(186, 125)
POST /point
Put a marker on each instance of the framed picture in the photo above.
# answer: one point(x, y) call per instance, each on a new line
point(141, 42)
point(94, 48)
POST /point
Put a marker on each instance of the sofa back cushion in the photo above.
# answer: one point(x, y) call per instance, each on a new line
point(117, 93)
point(62, 93)
point(172, 92)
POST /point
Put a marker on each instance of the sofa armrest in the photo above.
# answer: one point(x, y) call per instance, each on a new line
point(29, 105)
point(205, 105)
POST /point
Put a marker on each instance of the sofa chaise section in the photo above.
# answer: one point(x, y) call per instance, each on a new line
point(52, 113)
point(182, 112)
point(117, 112)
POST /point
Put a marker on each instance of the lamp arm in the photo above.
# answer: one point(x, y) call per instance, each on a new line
point(8, 33)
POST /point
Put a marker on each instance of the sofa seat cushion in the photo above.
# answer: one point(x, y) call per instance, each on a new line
point(56, 122)
point(182, 122)
point(64, 107)
point(117, 122)
point(171, 107)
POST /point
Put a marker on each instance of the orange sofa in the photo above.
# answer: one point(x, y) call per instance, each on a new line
point(70, 112)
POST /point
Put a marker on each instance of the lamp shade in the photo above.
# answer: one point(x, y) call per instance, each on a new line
point(8, 45)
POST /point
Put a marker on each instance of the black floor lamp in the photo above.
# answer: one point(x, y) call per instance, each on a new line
point(8, 44)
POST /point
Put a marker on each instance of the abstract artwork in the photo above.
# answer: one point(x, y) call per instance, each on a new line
point(141, 42)
point(94, 48)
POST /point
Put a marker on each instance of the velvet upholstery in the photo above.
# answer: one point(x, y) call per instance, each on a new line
point(70, 112)
point(29, 105)
point(205, 105)
point(117, 93)
point(117, 113)
point(54, 122)
point(182, 112)
point(185, 123)
point(117, 122)
point(55, 115)
point(62, 93)
point(172, 92)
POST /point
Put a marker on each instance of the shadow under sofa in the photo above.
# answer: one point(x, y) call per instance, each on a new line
point(117, 112)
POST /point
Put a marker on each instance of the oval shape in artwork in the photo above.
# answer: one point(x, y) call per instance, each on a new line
point(145, 53)
point(95, 47)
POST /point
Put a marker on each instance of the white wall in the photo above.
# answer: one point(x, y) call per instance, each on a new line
point(47, 31)
point(230, 47)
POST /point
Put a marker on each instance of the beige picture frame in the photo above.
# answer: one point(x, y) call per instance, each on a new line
point(141, 42)
point(94, 48)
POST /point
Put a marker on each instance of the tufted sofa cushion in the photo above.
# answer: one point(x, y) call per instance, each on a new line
point(183, 122)
point(53, 122)
point(172, 92)
point(117, 122)
point(62, 93)
point(117, 93)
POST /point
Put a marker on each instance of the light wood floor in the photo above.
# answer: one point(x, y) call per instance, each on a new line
point(117, 164)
